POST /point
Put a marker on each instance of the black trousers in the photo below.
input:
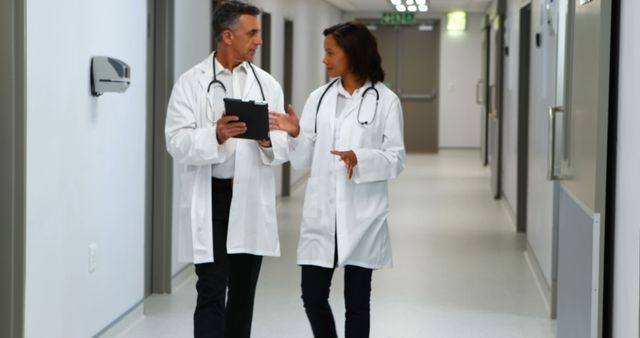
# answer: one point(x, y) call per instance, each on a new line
point(239, 272)
point(316, 285)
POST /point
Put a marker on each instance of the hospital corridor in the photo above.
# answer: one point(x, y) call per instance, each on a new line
point(319, 169)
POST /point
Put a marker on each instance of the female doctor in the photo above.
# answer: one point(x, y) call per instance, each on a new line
point(350, 135)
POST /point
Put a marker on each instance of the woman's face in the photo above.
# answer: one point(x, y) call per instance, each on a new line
point(334, 58)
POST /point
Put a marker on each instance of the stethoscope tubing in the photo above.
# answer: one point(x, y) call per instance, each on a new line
point(362, 123)
point(215, 80)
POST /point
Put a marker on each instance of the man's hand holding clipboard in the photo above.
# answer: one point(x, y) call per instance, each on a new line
point(255, 116)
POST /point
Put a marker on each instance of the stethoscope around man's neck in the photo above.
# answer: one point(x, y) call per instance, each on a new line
point(215, 80)
point(364, 93)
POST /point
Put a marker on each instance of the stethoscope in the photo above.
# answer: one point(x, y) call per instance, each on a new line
point(362, 123)
point(215, 82)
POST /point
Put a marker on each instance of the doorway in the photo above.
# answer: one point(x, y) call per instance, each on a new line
point(482, 91)
point(524, 63)
point(12, 168)
point(159, 175)
point(494, 128)
point(411, 61)
point(288, 94)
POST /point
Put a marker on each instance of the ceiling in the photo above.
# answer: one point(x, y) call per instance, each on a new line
point(437, 6)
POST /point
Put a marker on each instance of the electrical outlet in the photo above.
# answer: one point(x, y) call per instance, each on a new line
point(92, 257)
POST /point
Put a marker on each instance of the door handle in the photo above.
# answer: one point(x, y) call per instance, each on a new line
point(551, 152)
point(493, 112)
point(421, 97)
point(479, 97)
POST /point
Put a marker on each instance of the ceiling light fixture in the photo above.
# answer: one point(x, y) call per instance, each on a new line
point(456, 21)
point(410, 5)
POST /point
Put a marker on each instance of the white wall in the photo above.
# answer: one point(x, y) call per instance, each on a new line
point(460, 54)
point(627, 233)
point(85, 167)
point(192, 42)
point(460, 67)
point(309, 18)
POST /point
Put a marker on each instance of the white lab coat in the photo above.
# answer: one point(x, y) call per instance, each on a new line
point(361, 204)
point(191, 140)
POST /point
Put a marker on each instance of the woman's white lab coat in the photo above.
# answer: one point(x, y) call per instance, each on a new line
point(191, 140)
point(356, 209)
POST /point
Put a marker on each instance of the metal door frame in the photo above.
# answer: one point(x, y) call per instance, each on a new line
point(496, 104)
point(159, 168)
point(484, 146)
point(12, 171)
point(288, 93)
point(612, 152)
point(524, 71)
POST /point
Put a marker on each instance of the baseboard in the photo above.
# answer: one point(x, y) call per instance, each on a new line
point(511, 214)
point(123, 322)
point(545, 290)
point(181, 276)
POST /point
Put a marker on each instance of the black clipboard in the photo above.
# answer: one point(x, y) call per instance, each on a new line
point(254, 115)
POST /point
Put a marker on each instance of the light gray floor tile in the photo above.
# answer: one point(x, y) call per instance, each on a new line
point(459, 267)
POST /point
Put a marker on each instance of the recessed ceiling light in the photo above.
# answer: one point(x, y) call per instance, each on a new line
point(409, 2)
point(396, 2)
point(423, 8)
point(421, 2)
point(412, 8)
point(401, 8)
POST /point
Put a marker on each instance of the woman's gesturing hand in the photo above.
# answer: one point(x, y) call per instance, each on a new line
point(286, 122)
point(349, 158)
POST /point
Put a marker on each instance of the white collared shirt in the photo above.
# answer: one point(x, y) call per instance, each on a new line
point(344, 103)
point(235, 82)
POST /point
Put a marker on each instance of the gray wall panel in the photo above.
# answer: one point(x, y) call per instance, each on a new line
point(575, 261)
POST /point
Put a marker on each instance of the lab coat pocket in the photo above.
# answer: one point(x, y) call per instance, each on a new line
point(311, 199)
point(370, 201)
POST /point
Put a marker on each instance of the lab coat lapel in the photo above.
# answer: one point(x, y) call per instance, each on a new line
point(205, 77)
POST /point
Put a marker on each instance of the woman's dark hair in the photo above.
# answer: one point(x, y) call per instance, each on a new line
point(227, 13)
point(361, 48)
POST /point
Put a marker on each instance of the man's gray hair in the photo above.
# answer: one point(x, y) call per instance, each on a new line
point(227, 13)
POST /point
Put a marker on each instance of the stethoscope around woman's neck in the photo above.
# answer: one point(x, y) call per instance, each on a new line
point(215, 80)
point(364, 93)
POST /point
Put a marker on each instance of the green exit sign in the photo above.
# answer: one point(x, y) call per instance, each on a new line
point(398, 18)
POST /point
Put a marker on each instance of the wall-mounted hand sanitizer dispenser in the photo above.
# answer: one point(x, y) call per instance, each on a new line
point(109, 75)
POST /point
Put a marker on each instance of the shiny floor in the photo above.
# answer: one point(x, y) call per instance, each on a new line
point(459, 267)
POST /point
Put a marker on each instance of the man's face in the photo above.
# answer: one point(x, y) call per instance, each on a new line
point(245, 38)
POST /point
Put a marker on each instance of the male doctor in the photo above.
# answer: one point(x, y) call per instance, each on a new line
point(227, 203)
